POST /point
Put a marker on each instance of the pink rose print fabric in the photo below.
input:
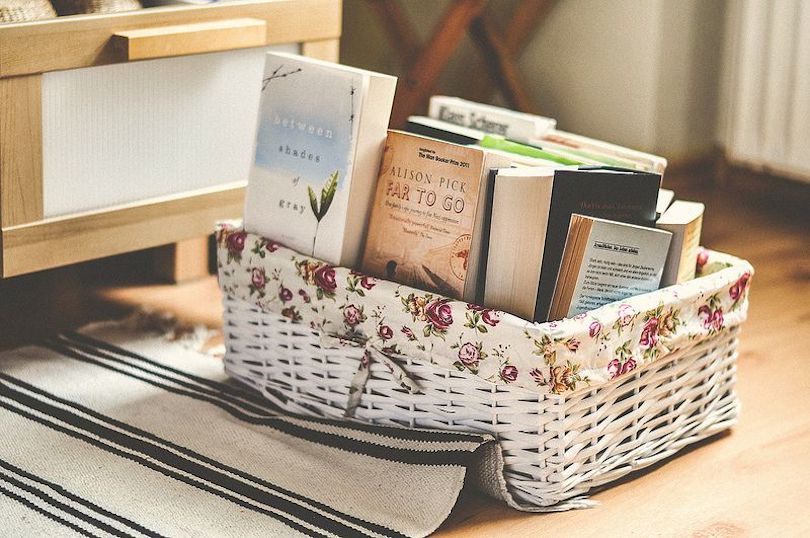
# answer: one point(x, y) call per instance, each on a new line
point(558, 357)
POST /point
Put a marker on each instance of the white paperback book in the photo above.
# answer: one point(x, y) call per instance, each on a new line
point(319, 140)
point(517, 236)
point(518, 126)
point(643, 161)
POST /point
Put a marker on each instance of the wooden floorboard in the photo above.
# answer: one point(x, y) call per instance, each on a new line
point(753, 481)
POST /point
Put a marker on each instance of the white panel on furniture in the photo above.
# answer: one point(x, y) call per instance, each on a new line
point(127, 132)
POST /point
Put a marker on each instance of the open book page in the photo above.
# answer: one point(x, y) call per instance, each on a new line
point(619, 261)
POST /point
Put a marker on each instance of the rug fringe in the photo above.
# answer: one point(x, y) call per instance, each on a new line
point(150, 321)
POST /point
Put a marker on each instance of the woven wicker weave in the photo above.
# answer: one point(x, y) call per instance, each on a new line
point(25, 10)
point(555, 448)
point(75, 7)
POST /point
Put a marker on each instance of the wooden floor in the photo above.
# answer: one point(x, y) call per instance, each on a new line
point(753, 481)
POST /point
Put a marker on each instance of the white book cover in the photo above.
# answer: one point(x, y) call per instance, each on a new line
point(518, 126)
point(298, 191)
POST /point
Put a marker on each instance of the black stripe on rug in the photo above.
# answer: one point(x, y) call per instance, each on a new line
point(62, 507)
point(250, 407)
point(238, 391)
point(256, 398)
point(283, 513)
point(373, 527)
point(397, 454)
point(59, 490)
point(62, 521)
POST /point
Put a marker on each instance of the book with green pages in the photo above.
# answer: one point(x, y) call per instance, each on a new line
point(458, 134)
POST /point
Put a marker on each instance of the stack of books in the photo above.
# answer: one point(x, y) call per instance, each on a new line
point(475, 202)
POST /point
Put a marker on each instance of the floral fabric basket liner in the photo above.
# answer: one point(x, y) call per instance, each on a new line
point(574, 404)
point(557, 357)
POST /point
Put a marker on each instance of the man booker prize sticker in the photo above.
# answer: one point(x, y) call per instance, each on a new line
point(459, 254)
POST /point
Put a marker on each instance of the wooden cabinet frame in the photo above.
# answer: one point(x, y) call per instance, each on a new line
point(30, 242)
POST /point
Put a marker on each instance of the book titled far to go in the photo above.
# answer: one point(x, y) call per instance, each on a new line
point(427, 221)
point(606, 261)
point(320, 134)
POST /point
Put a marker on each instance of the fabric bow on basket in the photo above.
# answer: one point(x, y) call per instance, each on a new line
point(371, 353)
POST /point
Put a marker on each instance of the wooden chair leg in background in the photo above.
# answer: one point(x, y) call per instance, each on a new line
point(417, 84)
point(399, 30)
point(504, 71)
point(504, 49)
point(424, 64)
point(182, 261)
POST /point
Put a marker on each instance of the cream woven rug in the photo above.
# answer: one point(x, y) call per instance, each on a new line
point(113, 432)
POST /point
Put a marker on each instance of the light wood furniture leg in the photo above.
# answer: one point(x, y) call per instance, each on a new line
point(20, 149)
point(325, 49)
point(182, 261)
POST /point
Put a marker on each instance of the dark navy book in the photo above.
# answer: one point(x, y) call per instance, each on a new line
point(608, 193)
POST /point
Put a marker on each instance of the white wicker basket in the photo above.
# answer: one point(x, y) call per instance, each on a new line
point(555, 446)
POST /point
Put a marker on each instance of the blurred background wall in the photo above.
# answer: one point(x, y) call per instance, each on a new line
point(642, 73)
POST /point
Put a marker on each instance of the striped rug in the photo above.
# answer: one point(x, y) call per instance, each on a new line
point(109, 432)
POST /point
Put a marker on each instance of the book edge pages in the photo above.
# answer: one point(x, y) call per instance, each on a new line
point(673, 267)
point(585, 233)
point(362, 193)
point(560, 299)
point(656, 163)
point(472, 277)
point(692, 211)
point(495, 259)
